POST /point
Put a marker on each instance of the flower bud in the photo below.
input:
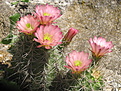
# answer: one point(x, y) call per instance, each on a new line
point(69, 35)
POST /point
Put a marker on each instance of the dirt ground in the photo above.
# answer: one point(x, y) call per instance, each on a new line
point(91, 18)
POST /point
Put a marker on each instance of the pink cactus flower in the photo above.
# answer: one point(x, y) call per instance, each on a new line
point(69, 35)
point(99, 46)
point(28, 24)
point(47, 13)
point(78, 61)
point(48, 36)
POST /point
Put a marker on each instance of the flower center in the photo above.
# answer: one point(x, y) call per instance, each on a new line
point(102, 45)
point(46, 14)
point(28, 25)
point(47, 37)
point(77, 63)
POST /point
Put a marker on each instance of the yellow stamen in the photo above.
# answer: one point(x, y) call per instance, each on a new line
point(28, 25)
point(47, 37)
point(46, 14)
point(77, 63)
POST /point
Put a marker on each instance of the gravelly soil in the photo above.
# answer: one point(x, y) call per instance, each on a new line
point(91, 18)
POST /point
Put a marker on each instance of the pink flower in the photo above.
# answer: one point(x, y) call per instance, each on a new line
point(69, 35)
point(48, 36)
point(27, 24)
point(100, 46)
point(47, 13)
point(78, 61)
